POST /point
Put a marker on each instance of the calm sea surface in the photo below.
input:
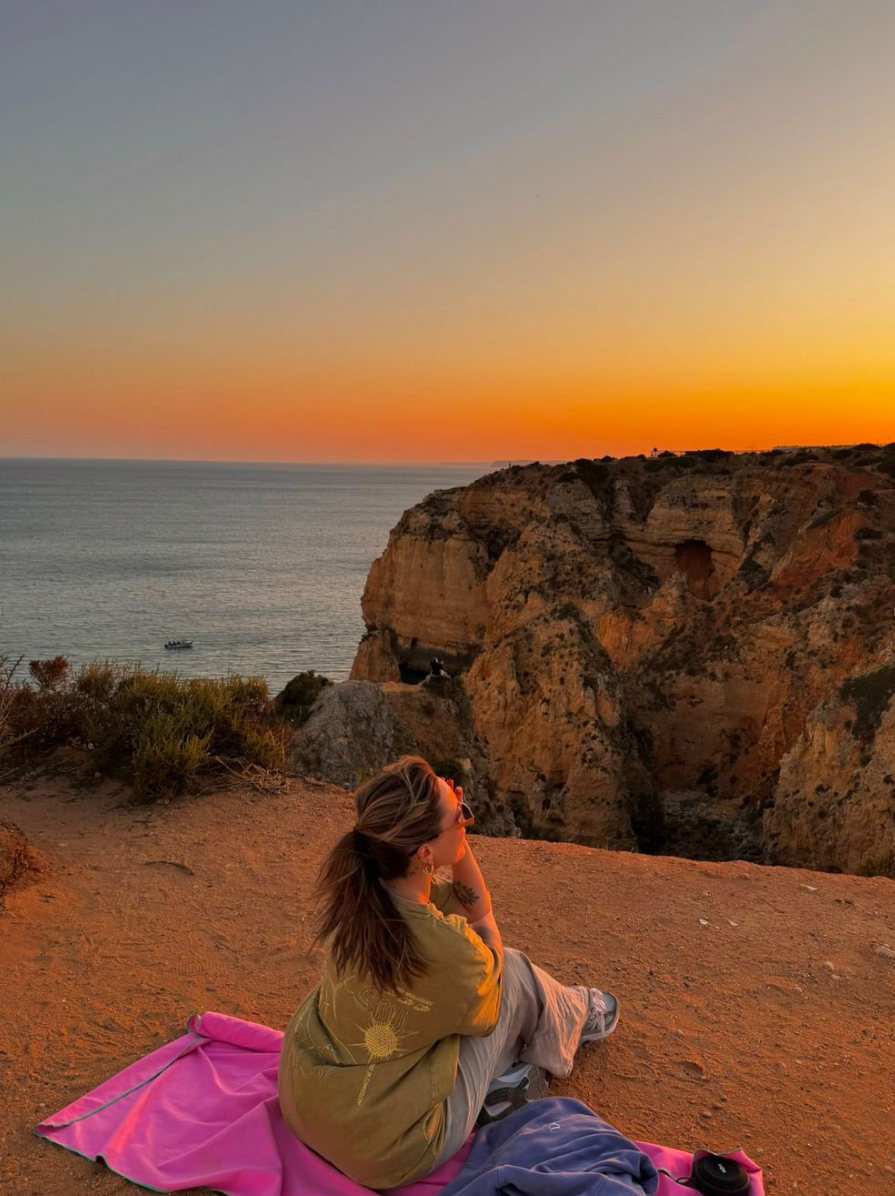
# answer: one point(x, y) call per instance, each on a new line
point(261, 565)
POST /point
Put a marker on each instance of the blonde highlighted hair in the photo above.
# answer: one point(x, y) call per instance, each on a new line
point(397, 811)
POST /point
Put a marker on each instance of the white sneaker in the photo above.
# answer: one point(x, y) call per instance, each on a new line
point(602, 1016)
point(516, 1087)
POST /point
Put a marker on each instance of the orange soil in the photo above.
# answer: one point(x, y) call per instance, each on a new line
point(769, 1028)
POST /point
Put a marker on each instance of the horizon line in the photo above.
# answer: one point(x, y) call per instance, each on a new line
point(244, 461)
point(492, 461)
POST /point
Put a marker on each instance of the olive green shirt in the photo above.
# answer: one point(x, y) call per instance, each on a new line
point(363, 1078)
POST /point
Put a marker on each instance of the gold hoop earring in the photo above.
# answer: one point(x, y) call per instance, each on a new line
point(429, 868)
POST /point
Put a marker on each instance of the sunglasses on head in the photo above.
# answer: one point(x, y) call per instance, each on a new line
point(465, 816)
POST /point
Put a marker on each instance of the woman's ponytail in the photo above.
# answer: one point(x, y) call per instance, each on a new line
point(396, 812)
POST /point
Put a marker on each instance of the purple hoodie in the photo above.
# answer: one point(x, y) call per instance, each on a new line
point(554, 1147)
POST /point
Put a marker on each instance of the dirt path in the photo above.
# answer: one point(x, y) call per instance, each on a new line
point(770, 1027)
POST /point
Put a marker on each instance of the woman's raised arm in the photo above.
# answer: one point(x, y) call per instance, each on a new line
point(469, 886)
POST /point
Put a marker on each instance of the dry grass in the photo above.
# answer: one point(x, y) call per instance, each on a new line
point(163, 734)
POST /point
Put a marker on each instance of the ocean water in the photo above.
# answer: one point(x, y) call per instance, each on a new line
point(261, 565)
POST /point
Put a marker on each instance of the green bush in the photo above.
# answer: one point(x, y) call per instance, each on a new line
point(594, 475)
point(295, 701)
point(158, 731)
point(449, 767)
point(39, 715)
point(167, 755)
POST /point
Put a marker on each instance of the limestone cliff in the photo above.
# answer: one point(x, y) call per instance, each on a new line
point(643, 641)
point(835, 799)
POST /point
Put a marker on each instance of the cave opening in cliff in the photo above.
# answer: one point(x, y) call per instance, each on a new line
point(694, 559)
point(411, 676)
point(412, 668)
point(419, 661)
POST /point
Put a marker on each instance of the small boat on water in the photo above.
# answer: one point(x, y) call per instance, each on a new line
point(175, 644)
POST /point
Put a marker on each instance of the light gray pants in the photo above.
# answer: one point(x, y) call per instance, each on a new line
point(540, 1022)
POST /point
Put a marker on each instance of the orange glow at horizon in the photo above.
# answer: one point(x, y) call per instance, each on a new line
point(335, 419)
point(623, 232)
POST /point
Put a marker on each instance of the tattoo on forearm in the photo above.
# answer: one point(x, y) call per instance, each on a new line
point(464, 894)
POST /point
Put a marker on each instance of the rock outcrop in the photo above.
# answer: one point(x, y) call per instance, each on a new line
point(631, 631)
point(357, 727)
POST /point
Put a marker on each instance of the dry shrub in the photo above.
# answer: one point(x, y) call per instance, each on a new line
point(878, 865)
point(160, 732)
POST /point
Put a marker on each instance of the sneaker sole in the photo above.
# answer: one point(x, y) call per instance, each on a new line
point(533, 1086)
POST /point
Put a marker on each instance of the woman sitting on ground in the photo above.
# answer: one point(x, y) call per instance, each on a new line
point(423, 1022)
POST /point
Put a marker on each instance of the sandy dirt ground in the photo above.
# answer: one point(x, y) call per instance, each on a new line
point(756, 1009)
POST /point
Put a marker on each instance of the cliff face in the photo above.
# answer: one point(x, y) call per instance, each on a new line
point(835, 800)
point(642, 640)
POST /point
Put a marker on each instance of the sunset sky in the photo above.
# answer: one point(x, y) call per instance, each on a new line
point(445, 230)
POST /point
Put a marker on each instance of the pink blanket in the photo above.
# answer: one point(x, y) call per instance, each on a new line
point(202, 1111)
